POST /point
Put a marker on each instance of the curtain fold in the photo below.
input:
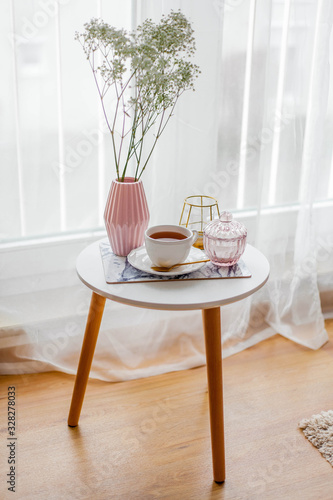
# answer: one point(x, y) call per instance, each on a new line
point(256, 134)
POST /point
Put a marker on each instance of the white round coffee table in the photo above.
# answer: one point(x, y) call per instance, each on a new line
point(207, 295)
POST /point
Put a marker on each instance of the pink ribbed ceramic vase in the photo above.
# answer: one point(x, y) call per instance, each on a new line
point(126, 215)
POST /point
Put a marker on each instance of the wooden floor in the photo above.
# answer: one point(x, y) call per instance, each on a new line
point(149, 438)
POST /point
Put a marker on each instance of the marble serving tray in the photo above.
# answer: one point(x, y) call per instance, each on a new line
point(119, 270)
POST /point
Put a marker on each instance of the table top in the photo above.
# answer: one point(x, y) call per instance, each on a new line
point(174, 295)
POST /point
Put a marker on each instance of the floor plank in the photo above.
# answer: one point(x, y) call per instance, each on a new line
point(149, 438)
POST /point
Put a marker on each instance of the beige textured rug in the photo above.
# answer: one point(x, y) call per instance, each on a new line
point(319, 431)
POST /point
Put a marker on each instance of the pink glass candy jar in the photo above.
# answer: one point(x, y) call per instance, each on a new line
point(224, 240)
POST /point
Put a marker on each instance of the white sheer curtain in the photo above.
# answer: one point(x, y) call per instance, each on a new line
point(256, 134)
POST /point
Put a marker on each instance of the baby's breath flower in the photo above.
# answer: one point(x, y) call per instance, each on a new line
point(154, 64)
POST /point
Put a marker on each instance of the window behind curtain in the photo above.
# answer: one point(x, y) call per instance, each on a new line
point(53, 147)
point(56, 159)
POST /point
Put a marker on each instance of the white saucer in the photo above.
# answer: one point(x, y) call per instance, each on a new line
point(139, 259)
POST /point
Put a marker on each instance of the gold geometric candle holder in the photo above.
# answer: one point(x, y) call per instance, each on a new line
point(199, 210)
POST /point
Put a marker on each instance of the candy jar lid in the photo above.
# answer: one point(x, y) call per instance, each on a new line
point(225, 228)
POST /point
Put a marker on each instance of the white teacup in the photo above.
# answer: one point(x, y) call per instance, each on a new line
point(168, 245)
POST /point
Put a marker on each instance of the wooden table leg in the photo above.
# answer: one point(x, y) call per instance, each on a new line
point(212, 329)
point(87, 353)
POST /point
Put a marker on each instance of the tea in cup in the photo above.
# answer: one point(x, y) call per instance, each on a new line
point(168, 245)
